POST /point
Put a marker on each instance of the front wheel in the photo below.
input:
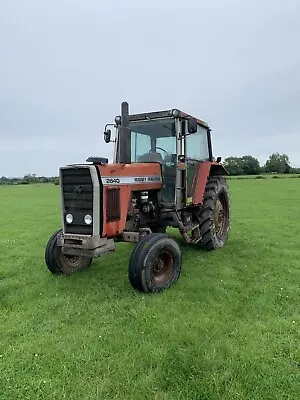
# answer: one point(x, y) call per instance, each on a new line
point(155, 263)
point(59, 263)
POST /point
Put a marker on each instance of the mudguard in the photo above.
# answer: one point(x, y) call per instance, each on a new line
point(203, 171)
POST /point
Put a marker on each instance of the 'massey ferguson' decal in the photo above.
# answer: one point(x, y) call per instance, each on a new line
point(130, 180)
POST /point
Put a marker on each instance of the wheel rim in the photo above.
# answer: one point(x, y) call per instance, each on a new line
point(70, 263)
point(220, 216)
point(162, 268)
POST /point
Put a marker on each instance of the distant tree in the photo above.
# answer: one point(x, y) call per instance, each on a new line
point(263, 169)
point(246, 165)
point(250, 165)
point(45, 179)
point(4, 180)
point(278, 163)
point(295, 170)
point(234, 165)
point(28, 178)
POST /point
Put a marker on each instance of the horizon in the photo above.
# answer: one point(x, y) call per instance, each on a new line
point(55, 176)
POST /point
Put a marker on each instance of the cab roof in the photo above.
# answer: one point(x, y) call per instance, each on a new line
point(165, 114)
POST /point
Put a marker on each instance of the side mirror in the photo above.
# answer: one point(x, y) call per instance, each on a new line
point(192, 125)
point(219, 159)
point(107, 136)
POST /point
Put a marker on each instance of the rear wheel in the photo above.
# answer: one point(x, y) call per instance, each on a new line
point(155, 263)
point(214, 215)
point(59, 263)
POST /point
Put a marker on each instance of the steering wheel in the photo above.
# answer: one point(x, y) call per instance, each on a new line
point(160, 148)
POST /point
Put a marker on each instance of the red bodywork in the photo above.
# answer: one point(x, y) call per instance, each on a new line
point(202, 173)
point(129, 171)
point(115, 228)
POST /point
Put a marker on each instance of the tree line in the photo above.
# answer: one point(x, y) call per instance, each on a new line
point(28, 179)
point(249, 165)
point(245, 165)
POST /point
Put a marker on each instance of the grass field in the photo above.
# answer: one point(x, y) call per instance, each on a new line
point(229, 329)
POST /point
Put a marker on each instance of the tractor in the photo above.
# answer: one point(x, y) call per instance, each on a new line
point(163, 176)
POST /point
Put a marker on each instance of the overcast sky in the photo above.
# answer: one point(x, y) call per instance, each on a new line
point(66, 65)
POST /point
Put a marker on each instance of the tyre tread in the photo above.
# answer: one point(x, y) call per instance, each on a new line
point(214, 185)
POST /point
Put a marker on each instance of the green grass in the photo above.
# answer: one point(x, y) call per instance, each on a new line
point(229, 329)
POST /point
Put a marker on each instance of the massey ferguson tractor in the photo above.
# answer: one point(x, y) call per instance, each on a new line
point(163, 175)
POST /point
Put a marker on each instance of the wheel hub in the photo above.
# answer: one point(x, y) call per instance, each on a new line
point(163, 268)
point(70, 263)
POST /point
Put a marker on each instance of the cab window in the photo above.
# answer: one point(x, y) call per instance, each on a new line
point(197, 145)
point(140, 144)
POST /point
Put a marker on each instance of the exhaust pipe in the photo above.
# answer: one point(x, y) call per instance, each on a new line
point(124, 147)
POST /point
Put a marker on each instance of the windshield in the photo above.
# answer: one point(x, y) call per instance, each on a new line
point(153, 140)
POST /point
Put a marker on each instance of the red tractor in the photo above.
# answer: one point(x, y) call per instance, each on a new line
point(163, 175)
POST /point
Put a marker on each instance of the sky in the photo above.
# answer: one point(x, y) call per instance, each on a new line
point(66, 66)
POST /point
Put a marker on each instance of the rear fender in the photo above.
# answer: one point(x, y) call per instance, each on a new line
point(218, 169)
point(202, 174)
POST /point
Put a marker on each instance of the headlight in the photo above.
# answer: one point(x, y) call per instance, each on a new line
point(69, 218)
point(88, 219)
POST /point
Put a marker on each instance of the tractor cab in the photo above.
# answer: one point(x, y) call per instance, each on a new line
point(175, 140)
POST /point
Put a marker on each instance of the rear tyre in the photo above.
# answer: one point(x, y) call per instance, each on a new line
point(59, 263)
point(214, 215)
point(155, 263)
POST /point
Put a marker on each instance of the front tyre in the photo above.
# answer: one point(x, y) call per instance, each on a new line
point(59, 263)
point(155, 263)
point(214, 215)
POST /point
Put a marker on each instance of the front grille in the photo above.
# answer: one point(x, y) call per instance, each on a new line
point(113, 205)
point(78, 194)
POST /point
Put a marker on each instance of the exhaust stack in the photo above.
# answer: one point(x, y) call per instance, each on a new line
point(124, 147)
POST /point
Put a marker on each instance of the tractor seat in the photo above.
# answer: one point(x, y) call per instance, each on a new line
point(151, 157)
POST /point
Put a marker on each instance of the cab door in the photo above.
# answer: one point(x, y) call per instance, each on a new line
point(168, 192)
point(197, 150)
